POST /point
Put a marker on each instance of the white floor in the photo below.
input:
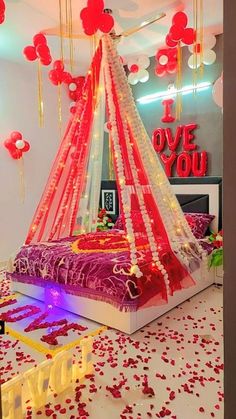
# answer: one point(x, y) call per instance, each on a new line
point(181, 354)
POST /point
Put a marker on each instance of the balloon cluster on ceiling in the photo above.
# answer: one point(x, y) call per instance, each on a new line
point(179, 31)
point(2, 11)
point(39, 50)
point(138, 69)
point(58, 75)
point(94, 19)
point(16, 145)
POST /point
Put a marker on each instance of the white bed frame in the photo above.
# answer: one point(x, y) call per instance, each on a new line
point(129, 322)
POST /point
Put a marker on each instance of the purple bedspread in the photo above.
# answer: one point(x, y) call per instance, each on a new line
point(101, 276)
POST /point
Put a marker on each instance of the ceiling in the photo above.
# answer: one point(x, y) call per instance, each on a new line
point(25, 18)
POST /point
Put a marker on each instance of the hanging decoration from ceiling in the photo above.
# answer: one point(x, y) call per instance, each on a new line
point(94, 19)
point(217, 91)
point(41, 52)
point(2, 11)
point(66, 28)
point(75, 88)
point(57, 76)
point(16, 145)
point(202, 53)
point(179, 34)
point(138, 69)
point(198, 48)
point(166, 61)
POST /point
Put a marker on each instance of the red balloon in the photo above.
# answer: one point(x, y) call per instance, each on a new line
point(30, 53)
point(15, 135)
point(73, 95)
point(176, 33)
point(53, 77)
point(26, 147)
point(42, 51)
point(106, 23)
point(2, 6)
point(39, 39)
point(184, 164)
point(16, 154)
point(172, 67)
point(180, 19)
point(134, 68)
point(169, 42)
point(9, 144)
point(188, 36)
point(58, 65)
point(97, 5)
point(46, 61)
point(160, 71)
point(199, 168)
point(2, 17)
point(67, 77)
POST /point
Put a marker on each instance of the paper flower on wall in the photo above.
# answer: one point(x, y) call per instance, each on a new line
point(2, 11)
point(16, 145)
point(179, 31)
point(138, 69)
point(94, 19)
point(166, 61)
point(204, 53)
point(217, 91)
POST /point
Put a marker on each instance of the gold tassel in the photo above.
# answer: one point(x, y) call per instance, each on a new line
point(71, 44)
point(59, 107)
point(21, 172)
point(61, 29)
point(179, 82)
point(40, 95)
point(201, 38)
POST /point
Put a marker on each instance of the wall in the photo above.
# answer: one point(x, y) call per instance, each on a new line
point(201, 110)
point(18, 110)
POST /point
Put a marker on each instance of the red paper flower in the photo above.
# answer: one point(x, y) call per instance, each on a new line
point(94, 19)
point(166, 61)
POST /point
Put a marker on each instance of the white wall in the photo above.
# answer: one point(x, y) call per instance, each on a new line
point(18, 112)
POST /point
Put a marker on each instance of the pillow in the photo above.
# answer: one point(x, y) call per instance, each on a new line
point(199, 223)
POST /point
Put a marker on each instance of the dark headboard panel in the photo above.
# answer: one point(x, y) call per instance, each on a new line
point(194, 195)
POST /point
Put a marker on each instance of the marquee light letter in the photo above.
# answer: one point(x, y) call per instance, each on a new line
point(61, 373)
point(12, 399)
point(87, 365)
point(167, 116)
point(168, 162)
point(199, 168)
point(38, 382)
point(188, 137)
point(184, 165)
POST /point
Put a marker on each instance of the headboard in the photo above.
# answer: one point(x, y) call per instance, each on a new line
point(194, 195)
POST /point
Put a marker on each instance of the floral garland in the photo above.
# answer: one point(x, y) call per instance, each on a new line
point(104, 222)
point(29, 311)
point(180, 236)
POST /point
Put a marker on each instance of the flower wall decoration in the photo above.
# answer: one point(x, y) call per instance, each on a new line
point(94, 19)
point(138, 69)
point(166, 61)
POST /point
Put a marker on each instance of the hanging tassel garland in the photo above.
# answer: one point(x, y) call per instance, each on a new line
point(179, 82)
point(61, 29)
point(59, 107)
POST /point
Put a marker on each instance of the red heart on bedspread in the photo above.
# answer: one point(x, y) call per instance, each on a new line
point(133, 290)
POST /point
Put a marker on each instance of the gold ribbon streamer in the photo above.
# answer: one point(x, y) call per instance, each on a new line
point(61, 30)
point(40, 95)
point(21, 179)
point(71, 44)
point(201, 38)
point(179, 82)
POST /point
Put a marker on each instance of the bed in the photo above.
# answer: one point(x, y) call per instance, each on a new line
point(95, 284)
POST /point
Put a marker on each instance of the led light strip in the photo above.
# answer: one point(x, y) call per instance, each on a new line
point(173, 92)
